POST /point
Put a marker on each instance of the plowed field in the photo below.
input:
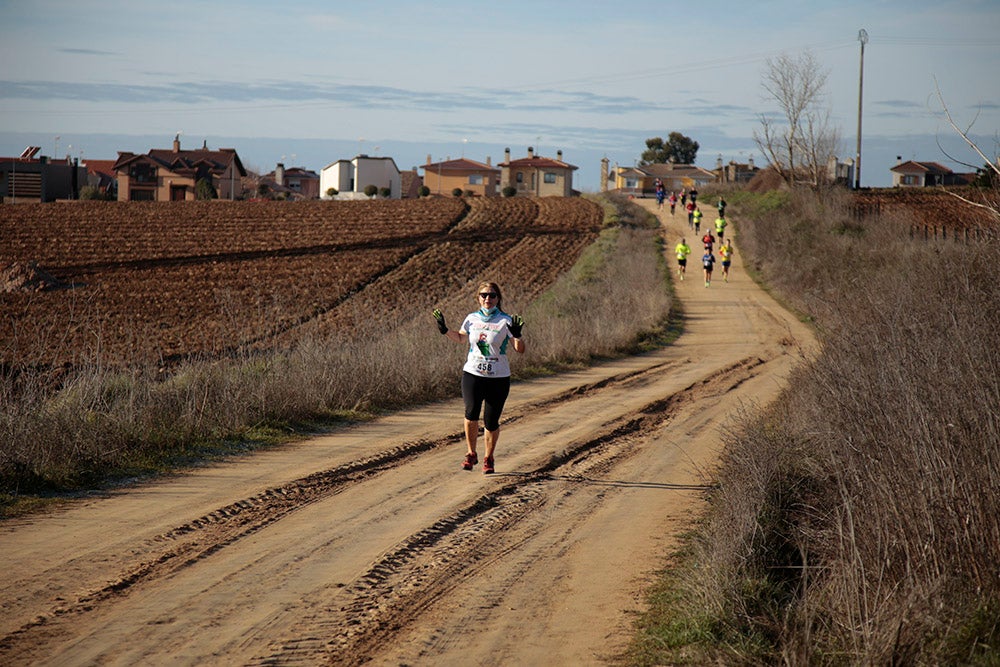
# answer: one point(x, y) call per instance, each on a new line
point(931, 209)
point(141, 282)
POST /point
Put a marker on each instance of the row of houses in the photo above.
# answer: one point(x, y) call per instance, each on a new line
point(174, 174)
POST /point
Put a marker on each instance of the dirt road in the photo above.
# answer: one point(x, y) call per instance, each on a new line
point(371, 545)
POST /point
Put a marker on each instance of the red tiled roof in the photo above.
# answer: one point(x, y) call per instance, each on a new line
point(96, 167)
point(461, 164)
point(538, 163)
point(926, 167)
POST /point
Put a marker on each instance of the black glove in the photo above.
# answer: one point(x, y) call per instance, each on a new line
point(442, 327)
point(516, 324)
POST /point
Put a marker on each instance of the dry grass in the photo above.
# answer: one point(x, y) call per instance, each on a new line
point(106, 424)
point(857, 521)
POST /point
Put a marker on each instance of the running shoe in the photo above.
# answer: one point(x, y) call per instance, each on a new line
point(470, 461)
point(488, 465)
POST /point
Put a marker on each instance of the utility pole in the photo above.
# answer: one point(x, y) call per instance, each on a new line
point(863, 38)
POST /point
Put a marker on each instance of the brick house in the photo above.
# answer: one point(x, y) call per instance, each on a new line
point(537, 175)
point(101, 175)
point(172, 175)
point(467, 175)
point(296, 181)
point(411, 182)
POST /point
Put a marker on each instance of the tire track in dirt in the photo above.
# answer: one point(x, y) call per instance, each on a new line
point(355, 621)
point(223, 528)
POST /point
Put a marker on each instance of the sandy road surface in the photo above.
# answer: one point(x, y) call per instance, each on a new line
point(371, 545)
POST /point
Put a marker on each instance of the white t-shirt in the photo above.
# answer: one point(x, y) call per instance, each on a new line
point(488, 338)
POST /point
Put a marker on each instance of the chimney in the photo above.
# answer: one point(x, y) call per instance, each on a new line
point(899, 159)
point(279, 174)
point(531, 152)
point(750, 163)
point(489, 161)
point(559, 155)
point(428, 158)
point(506, 155)
point(177, 143)
point(604, 174)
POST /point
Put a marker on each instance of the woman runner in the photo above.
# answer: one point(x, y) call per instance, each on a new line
point(486, 374)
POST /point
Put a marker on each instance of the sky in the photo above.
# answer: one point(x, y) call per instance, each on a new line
point(309, 82)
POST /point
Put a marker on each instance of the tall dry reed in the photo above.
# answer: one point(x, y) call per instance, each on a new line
point(857, 520)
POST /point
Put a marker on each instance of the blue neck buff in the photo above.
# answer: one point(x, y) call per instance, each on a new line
point(488, 312)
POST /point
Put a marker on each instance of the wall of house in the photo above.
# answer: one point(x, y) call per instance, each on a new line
point(562, 187)
point(460, 179)
point(337, 175)
point(378, 172)
point(229, 183)
point(533, 181)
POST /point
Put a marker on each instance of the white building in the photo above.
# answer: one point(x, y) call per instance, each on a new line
point(351, 177)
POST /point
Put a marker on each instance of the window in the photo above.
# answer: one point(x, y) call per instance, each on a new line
point(475, 179)
point(631, 183)
point(142, 173)
point(909, 179)
point(520, 177)
point(550, 177)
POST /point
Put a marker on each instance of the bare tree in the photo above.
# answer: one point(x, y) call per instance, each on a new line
point(991, 196)
point(799, 145)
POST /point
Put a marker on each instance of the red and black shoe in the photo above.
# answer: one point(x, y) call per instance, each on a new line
point(470, 461)
point(488, 465)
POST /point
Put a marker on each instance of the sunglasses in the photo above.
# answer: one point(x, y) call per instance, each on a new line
point(487, 295)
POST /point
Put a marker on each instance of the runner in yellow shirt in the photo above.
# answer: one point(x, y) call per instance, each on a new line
point(720, 227)
point(682, 250)
point(696, 216)
point(726, 252)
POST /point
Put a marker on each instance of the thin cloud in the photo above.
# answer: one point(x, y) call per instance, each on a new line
point(899, 104)
point(87, 52)
point(352, 95)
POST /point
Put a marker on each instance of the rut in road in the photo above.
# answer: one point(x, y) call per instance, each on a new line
point(354, 622)
point(359, 615)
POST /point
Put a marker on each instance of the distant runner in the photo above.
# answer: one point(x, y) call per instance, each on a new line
point(696, 215)
point(682, 250)
point(726, 253)
point(720, 227)
point(707, 262)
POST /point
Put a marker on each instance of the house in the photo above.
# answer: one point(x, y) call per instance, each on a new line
point(29, 179)
point(467, 175)
point(297, 182)
point(173, 175)
point(410, 184)
point(537, 175)
point(350, 177)
point(640, 180)
point(913, 174)
point(735, 172)
point(101, 175)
